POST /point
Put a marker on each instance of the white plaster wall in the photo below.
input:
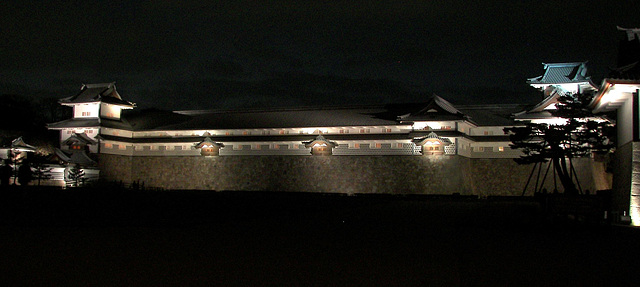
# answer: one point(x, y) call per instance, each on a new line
point(435, 126)
point(491, 130)
point(116, 132)
point(109, 111)
point(625, 122)
point(92, 109)
point(492, 150)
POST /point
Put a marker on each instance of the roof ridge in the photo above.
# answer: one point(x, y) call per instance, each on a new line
point(278, 109)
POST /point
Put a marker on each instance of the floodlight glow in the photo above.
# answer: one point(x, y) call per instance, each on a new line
point(552, 121)
point(419, 125)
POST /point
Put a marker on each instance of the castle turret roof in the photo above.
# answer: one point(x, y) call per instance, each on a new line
point(105, 92)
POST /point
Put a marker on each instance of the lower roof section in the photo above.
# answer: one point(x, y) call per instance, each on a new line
point(380, 115)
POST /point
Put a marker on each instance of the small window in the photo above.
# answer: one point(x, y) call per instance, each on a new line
point(245, 133)
point(108, 145)
point(228, 134)
point(283, 132)
point(500, 148)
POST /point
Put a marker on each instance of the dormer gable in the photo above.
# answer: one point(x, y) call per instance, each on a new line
point(436, 108)
point(320, 146)
point(79, 141)
point(432, 144)
point(208, 147)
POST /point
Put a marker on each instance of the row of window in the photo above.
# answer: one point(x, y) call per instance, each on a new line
point(270, 132)
point(487, 149)
point(253, 147)
point(428, 128)
point(85, 131)
point(285, 132)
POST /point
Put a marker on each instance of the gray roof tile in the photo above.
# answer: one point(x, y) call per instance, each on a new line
point(559, 73)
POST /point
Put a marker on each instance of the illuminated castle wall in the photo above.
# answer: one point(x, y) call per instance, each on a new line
point(439, 174)
point(431, 147)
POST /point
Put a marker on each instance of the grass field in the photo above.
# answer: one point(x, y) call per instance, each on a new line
point(107, 238)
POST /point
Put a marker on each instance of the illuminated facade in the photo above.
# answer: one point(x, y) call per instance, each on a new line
point(434, 146)
point(435, 127)
point(620, 92)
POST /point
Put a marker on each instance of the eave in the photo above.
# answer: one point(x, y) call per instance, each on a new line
point(614, 94)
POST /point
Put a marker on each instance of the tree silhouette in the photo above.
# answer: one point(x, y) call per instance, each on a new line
point(74, 176)
point(581, 135)
point(41, 171)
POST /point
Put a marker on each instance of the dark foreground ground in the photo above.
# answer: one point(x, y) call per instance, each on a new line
point(118, 238)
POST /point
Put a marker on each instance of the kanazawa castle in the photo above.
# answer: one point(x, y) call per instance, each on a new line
point(380, 148)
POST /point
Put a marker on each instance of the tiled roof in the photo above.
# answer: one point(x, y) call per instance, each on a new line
point(628, 64)
point(436, 108)
point(105, 92)
point(79, 138)
point(321, 139)
point(561, 73)
point(75, 157)
point(431, 135)
point(628, 72)
point(75, 123)
point(282, 118)
point(19, 144)
point(493, 115)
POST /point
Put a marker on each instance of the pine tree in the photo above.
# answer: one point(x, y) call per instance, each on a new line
point(581, 135)
point(75, 176)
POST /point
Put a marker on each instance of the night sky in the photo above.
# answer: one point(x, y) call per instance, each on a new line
point(238, 54)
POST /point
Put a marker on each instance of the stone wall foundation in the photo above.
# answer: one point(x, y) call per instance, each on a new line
point(440, 174)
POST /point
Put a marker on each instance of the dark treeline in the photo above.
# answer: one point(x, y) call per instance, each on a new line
point(27, 117)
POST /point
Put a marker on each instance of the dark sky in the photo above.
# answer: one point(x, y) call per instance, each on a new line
point(231, 54)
